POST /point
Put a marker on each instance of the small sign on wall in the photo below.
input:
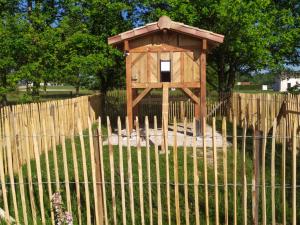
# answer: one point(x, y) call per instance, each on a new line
point(165, 70)
point(165, 66)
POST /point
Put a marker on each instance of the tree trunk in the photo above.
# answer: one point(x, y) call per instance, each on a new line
point(45, 86)
point(29, 7)
point(3, 101)
point(27, 87)
point(231, 78)
point(77, 90)
point(36, 89)
point(221, 74)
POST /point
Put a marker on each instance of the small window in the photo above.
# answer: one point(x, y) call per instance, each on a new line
point(165, 70)
point(289, 85)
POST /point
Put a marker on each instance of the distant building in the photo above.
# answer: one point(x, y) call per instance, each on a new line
point(286, 80)
point(244, 83)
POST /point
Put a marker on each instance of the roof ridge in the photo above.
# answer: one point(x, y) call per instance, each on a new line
point(165, 22)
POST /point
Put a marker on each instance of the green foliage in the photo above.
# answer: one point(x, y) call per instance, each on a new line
point(258, 34)
point(60, 42)
point(25, 98)
point(66, 41)
point(294, 90)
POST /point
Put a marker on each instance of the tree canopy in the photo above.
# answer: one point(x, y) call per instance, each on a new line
point(65, 41)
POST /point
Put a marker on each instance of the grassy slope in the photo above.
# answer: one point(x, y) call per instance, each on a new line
point(154, 190)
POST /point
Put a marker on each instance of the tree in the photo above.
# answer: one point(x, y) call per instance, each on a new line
point(258, 34)
point(9, 40)
point(86, 59)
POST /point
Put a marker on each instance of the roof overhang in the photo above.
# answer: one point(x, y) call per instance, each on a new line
point(165, 23)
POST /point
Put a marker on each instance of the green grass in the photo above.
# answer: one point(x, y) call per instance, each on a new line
point(52, 93)
point(154, 186)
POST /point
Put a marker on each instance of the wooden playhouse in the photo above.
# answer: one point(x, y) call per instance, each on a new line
point(166, 54)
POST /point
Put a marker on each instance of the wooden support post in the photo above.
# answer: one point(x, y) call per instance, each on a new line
point(197, 105)
point(182, 111)
point(191, 95)
point(128, 85)
point(135, 107)
point(165, 103)
point(165, 115)
point(203, 80)
point(140, 96)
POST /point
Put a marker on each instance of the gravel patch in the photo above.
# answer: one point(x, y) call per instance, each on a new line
point(114, 139)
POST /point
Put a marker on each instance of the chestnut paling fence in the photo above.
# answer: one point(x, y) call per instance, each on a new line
point(153, 177)
point(237, 173)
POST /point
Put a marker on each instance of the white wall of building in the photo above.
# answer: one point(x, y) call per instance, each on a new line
point(282, 85)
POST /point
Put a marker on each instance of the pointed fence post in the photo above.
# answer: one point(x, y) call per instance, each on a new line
point(98, 175)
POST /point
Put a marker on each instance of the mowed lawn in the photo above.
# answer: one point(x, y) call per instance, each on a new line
point(51, 93)
point(163, 184)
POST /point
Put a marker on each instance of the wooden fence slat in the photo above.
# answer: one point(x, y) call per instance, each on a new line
point(157, 169)
point(112, 171)
point(244, 173)
point(120, 140)
point(215, 161)
point(66, 170)
point(47, 165)
point(196, 175)
point(234, 171)
point(294, 175)
point(39, 175)
point(19, 142)
point(148, 170)
point(93, 167)
point(85, 175)
point(130, 177)
point(2, 177)
point(29, 174)
point(273, 172)
point(140, 170)
point(166, 149)
point(205, 171)
point(283, 171)
point(264, 207)
point(76, 176)
point(10, 170)
point(102, 171)
point(175, 160)
point(185, 169)
point(54, 151)
point(224, 143)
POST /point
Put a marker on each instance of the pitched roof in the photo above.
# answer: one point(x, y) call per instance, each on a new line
point(163, 23)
